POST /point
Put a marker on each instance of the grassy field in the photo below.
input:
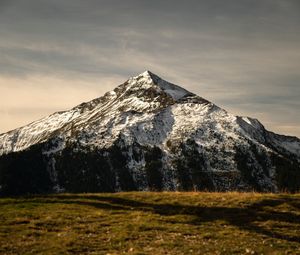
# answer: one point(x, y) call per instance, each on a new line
point(151, 223)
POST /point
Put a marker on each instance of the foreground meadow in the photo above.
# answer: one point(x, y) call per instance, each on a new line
point(151, 223)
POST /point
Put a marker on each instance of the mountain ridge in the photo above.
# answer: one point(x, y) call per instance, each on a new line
point(165, 137)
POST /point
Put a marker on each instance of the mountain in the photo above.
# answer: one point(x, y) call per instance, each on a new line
point(147, 134)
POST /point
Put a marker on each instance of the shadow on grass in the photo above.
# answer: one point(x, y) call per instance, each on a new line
point(245, 218)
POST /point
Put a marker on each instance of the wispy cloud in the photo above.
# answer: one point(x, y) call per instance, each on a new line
point(242, 54)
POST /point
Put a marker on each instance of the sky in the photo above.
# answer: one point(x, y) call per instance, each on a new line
point(243, 55)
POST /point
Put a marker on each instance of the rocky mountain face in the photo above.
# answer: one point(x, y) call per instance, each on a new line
point(147, 134)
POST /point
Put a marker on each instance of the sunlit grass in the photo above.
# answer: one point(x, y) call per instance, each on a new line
point(151, 223)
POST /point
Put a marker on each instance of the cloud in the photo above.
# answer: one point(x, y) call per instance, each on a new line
point(242, 54)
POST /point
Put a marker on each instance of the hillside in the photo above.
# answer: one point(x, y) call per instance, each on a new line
point(147, 135)
point(151, 223)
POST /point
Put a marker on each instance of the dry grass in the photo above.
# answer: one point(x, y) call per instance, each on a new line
point(151, 223)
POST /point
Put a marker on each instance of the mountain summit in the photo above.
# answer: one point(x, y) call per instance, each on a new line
point(153, 80)
point(147, 134)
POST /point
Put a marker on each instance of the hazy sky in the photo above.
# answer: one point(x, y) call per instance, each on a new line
point(243, 55)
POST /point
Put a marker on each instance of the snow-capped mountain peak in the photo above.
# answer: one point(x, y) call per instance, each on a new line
point(148, 133)
point(148, 79)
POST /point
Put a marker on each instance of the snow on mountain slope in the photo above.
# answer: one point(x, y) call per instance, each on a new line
point(287, 143)
point(132, 107)
point(36, 132)
point(152, 125)
point(127, 97)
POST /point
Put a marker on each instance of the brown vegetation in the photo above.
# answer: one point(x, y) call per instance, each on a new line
point(151, 223)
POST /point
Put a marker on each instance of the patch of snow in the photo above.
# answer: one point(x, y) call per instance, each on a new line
point(149, 78)
point(130, 114)
point(35, 132)
point(246, 119)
